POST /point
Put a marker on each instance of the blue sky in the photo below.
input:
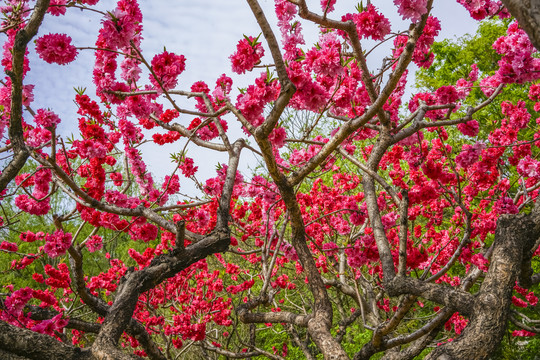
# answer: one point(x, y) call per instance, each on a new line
point(206, 33)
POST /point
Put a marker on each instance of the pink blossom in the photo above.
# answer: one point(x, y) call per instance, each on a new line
point(89, 148)
point(31, 206)
point(187, 167)
point(46, 118)
point(56, 48)
point(94, 243)
point(411, 9)
point(285, 11)
point(146, 232)
point(505, 205)
point(518, 116)
point(517, 64)
point(14, 305)
point(289, 251)
point(529, 167)
point(167, 67)
point(171, 184)
point(8, 246)
point(446, 95)
point(130, 70)
point(371, 24)
point(50, 326)
point(309, 95)
point(38, 136)
point(29, 236)
point(522, 333)
point(249, 52)
point(473, 75)
point(331, 248)
point(277, 137)
point(328, 5)
point(469, 128)
point(57, 7)
point(489, 84)
point(519, 302)
point(57, 243)
point(119, 28)
point(325, 59)
point(469, 155)
point(480, 9)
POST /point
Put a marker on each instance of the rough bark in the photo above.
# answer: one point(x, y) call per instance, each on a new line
point(527, 13)
point(17, 343)
point(514, 238)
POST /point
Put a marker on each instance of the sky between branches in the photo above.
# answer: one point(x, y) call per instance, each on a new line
point(206, 33)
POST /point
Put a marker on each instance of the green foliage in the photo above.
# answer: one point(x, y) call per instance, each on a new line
point(453, 58)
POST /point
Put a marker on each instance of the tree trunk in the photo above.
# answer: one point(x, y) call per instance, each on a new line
point(514, 238)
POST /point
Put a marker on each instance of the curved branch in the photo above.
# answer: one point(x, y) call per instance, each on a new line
point(22, 38)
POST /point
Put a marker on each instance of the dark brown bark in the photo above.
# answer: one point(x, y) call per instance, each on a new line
point(527, 13)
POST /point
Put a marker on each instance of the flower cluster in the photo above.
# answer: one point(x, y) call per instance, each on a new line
point(46, 118)
point(56, 48)
point(167, 67)
point(411, 9)
point(249, 52)
point(370, 23)
point(517, 64)
point(480, 9)
point(57, 243)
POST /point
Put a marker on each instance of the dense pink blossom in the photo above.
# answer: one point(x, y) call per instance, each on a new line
point(29, 236)
point(249, 52)
point(446, 95)
point(187, 167)
point(480, 9)
point(469, 128)
point(529, 167)
point(309, 95)
point(50, 326)
point(57, 7)
point(422, 56)
point(469, 155)
point(517, 64)
point(370, 23)
point(251, 103)
point(411, 9)
point(285, 10)
point(167, 67)
point(14, 305)
point(505, 205)
point(46, 118)
point(119, 28)
point(325, 59)
point(517, 115)
point(94, 243)
point(146, 232)
point(8, 246)
point(56, 48)
point(57, 243)
point(37, 137)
